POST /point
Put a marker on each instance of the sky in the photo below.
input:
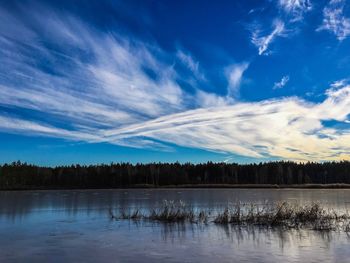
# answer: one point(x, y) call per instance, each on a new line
point(164, 81)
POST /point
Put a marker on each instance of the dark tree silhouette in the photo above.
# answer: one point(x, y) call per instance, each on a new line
point(19, 175)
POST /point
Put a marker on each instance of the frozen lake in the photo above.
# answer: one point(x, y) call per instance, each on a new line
point(74, 226)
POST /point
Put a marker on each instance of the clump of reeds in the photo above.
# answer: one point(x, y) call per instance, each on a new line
point(282, 214)
point(169, 211)
point(173, 212)
point(270, 215)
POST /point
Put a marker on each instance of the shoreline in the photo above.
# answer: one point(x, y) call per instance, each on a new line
point(191, 186)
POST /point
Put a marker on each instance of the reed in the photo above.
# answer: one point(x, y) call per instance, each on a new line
point(282, 214)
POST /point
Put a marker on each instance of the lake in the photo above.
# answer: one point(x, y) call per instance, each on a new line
point(75, 226)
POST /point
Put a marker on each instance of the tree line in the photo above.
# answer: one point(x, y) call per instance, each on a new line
point(18, 175)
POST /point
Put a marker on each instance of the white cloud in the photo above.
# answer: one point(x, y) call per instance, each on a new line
point(339, 83)
point(187, 60)
point(335, 21)
point(90, 78)
point(281, 83)
point(25, 127)
point(234, 76)
point(190, 63)
point(94, 88)
point(209, 100)
point(287, 128)
point(262, 42)
point(295, 8)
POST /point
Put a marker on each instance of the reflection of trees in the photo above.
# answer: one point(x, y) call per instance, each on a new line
point(285, 237)
point(257, 235)
point(286, 241)
point(17, 205)
point(170, 232)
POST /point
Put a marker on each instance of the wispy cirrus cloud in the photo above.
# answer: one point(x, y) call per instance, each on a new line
point(234, 77)
point(335, 21)
point(284, 23)
point(339, 83)
point(280, 84)
point(295, 8)
point(262, 41)
point(190, 64)
point(288, 128)
point(27, 127)
point(77, 83)
point(210, 100)
point(81, 74)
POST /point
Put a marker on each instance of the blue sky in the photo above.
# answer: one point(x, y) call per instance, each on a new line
point(143, 81)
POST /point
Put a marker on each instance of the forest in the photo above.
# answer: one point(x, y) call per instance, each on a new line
point(18, 175)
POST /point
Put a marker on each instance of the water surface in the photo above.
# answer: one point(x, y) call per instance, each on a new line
point(74, 226)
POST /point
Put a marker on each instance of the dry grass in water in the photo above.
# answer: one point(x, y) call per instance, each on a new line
point(268, 215)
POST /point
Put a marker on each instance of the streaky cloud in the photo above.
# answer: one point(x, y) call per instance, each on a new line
point(262, 42)
point(280, 84)
point(190, 63)
point(295, 8)
point(90, 77)
point(17, 125)
point(286, 128)
point(78, 83)
point(339, 83)
point(209, 100)
point(234, 77)
point(335, 21)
